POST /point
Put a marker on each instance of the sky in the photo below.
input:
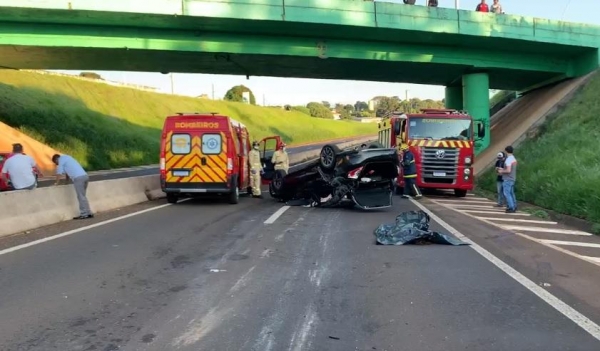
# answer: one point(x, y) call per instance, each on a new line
point(295, 91)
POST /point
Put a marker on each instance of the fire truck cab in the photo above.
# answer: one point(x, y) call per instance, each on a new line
point(442, 142)
point(205, 153)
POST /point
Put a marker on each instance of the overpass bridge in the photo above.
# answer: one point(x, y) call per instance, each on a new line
point(468, 52)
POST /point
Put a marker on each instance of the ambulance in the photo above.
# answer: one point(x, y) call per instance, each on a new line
point(206, 153)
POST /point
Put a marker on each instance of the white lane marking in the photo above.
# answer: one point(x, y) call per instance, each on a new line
point(482, 201)
point(570, 243)
point(595, 259)
point(568, 311)
point(558, 248)
point(494, 212)
point(545, 230)
point(491, 207)
point(276, 215)
point(70, 232)
point(516, 220)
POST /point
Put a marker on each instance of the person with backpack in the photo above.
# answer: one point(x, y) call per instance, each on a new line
point(482, 7)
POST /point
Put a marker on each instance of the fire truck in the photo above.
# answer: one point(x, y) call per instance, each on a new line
point(442, 142)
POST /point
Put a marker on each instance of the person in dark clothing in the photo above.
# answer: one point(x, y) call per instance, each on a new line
point(432, 3)
point(501, 157)
point(409, 2)
point(409, 171)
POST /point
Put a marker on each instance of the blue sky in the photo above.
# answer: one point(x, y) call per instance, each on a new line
point(279, 91)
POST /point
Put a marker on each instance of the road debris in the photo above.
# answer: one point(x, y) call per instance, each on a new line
point(412, 227)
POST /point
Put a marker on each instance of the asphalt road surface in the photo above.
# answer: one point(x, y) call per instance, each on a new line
point(139, 172)
point(201, 275)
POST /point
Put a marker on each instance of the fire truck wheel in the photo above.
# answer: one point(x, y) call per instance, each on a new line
point(328, 157)
point(460, 193)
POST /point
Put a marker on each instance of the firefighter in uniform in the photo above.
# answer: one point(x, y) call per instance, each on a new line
point(255, 170)
point(280, 159)
point(409, 170)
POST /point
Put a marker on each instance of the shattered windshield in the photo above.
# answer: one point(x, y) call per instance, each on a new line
point(439, 129)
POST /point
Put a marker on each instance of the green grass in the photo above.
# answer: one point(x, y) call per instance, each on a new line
point(106, 127)
point(560, 169)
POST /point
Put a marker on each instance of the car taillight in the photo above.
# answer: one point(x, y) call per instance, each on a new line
point(353, 174)
point(162, 167)
point(229, 165)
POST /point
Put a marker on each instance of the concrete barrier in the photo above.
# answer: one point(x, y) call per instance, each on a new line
point(26, 210)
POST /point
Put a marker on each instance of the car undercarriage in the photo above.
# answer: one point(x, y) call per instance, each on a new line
point(361, 176)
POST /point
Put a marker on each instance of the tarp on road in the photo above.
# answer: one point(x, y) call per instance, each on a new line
point(412, 227)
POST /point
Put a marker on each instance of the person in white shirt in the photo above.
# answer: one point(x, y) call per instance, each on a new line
point(20, 169)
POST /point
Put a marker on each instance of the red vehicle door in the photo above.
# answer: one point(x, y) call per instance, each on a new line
point(267, 147)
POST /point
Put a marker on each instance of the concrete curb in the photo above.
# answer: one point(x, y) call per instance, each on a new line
point(30, 209)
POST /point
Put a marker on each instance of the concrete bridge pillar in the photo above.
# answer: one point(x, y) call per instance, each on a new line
point(454, 98)
point(476, 101)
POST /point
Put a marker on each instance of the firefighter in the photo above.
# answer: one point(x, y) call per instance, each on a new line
point(255, 170)
point(409, 171)
point(280, 159)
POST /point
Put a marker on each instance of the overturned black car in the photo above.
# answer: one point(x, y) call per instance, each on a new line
point(363, 176)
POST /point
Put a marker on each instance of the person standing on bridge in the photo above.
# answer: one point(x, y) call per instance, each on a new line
point(482, 7)
point(409, 171)
point(496, 7)
point(68, 166)
point(509, 177)
point(280, 159)
point(20, 168)
point(255, 170)
point(432, 3)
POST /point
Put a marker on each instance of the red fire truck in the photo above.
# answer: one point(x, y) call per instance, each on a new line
point(442, 142)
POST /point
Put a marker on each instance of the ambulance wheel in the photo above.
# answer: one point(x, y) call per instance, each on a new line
point(460, 193)
point(328, 157)
point(171, 198)
point(234, 196)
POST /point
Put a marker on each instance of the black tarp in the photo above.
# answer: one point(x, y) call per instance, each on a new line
point(412, 227)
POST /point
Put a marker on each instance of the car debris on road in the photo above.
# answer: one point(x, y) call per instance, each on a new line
point(412, 227)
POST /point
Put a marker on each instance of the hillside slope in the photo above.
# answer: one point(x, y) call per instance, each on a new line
point(559, 164)
point(105, 126)
point(41, 153)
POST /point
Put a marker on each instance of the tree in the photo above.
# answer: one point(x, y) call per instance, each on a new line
point(236, 94)
point(361, 106)
point(326, 104)
point(319, 110)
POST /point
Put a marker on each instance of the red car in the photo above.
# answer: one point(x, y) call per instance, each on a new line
point(3, 157)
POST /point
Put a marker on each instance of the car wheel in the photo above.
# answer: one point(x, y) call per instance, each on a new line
point(328, 157)
point(171, 198)
point(234, 196)
point(277, 182)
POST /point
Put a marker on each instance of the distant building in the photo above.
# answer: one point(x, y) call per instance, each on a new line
point(374, 102)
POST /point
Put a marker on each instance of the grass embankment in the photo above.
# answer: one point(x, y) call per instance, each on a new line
point(106, 127)
point(559, 169)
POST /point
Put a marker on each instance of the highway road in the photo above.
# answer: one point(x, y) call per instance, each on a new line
point(201, 275)
point(149, 170)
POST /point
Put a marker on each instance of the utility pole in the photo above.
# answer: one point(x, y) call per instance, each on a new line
point(264, 103)
point(406, 95)
point(456, 4)
point(172, 85)
point(213, 91)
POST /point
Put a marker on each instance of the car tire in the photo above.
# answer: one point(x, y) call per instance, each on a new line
point(328, 157)
point(172, 198)
point(277, 182)
point(460, 193)
point(234, 196)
